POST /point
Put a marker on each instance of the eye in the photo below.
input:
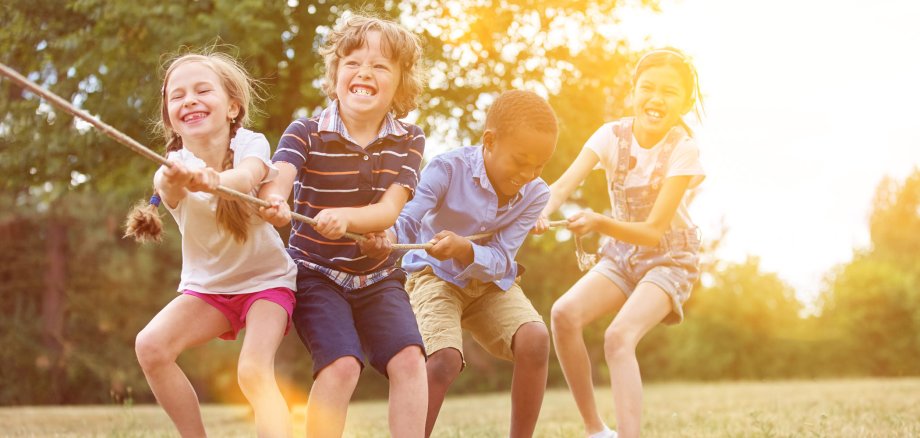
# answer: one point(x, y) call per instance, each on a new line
point(382, 67)
point(351, 63)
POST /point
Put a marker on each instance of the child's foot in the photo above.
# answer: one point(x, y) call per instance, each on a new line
point(606, 433)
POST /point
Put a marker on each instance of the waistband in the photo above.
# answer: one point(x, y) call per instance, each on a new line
point(683, 238)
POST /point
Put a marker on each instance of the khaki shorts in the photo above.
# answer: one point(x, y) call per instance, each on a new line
point(492, 316)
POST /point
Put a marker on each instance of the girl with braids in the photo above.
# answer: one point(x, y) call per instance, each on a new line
point(650, 262)
point(235, 271)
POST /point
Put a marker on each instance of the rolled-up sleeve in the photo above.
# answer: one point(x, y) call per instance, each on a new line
point(494, 261)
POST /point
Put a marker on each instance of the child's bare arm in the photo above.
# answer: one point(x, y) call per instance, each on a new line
point(333, 222)
point(565, 185)
point(276, 192)
point(647, 232)
point(244, 177)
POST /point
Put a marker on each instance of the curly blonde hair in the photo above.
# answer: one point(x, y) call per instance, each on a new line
point(399, 45)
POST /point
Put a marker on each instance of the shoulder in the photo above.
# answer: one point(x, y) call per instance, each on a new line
point(608, 130)
point(413, 130)
point(304, 124)
point(539, 188)
point(687, 146)
point(245, 138)
point(450, 159)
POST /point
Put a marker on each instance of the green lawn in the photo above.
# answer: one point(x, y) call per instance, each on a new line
point(832, 408)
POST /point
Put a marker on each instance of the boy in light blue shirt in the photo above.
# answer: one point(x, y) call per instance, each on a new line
point(459, 283)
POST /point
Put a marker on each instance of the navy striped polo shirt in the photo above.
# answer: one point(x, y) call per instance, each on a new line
point(333, 171)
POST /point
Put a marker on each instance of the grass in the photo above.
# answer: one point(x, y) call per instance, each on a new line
point(824, 408)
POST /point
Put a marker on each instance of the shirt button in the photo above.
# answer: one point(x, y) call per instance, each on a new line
point(482, 228)
point(366, 158)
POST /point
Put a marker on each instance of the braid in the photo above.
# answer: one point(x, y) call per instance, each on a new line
point(233, 215)
point(143, 222)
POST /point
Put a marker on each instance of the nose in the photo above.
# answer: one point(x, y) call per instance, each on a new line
point(189, 99)
point(364, 71)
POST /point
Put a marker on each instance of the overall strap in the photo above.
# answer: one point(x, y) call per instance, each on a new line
point(676, 135)
point(623, 132)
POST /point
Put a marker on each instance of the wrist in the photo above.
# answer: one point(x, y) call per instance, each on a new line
point(465, 255)
point(272, 197)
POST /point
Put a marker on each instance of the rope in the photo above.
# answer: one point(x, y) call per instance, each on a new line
point(153, 156)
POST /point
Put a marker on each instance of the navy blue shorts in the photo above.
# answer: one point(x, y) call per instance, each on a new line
point(332, 323)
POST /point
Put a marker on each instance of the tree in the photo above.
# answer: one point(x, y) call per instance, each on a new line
point(68, 188)
point(873, 302)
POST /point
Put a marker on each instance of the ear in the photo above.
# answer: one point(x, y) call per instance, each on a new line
point(234, 110)
point(488, 140)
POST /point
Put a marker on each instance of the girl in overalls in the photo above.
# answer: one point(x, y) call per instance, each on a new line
point(650, 262)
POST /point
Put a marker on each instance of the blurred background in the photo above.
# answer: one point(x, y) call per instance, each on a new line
point(810, 213)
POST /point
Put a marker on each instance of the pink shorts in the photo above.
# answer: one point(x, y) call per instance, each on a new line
point(236, 306)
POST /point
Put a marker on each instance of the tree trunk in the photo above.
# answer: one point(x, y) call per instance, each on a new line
point(53, 303)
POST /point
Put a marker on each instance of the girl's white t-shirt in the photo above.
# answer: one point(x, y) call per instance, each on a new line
point(212, 260)
point(684, 160)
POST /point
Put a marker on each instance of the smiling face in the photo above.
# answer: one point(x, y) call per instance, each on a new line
point(197, 104)
point(366, 81)
point(660, 98)
point(516, 158)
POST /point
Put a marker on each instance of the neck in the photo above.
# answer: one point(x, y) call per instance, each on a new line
point(648, 138)
point(212, 149)
point(363, 129)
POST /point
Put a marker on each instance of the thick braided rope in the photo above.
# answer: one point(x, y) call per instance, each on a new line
point(144, 151)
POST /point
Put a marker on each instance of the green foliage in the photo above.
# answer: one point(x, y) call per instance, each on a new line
point(106, 57)
point(873, 304)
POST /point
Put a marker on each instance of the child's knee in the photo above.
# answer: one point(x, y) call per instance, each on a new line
point(531, 343)
point(409, 362)
point(343, 372)
point(618, 342)
point(444, 366)
point(152, 352)
point(254, 375)
point(563, 318)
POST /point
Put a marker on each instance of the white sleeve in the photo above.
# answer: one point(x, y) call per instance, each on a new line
point(603, 142)
point(685, 160)
point(253, 144)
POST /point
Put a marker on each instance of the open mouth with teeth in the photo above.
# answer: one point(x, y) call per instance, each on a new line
point(195, 116)
point(655, 114)
point(363, 90)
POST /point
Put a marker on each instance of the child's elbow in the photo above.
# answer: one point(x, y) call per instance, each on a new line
point(654, 234)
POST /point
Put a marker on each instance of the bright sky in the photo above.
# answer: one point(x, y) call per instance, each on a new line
point(809, 105)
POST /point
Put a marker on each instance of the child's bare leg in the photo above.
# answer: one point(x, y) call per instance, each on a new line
point(647, 306)
point(329, 397)
point(590, 298)
point(408, 393)
point(265, 324)
point(530, 346)
point(184, 323)
point(443, 367)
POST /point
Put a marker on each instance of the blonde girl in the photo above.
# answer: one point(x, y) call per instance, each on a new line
point(235, 271)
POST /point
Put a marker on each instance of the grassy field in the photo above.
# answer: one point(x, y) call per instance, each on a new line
point(831, 408)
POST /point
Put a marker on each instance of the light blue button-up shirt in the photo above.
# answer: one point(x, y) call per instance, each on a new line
point(454, 193)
